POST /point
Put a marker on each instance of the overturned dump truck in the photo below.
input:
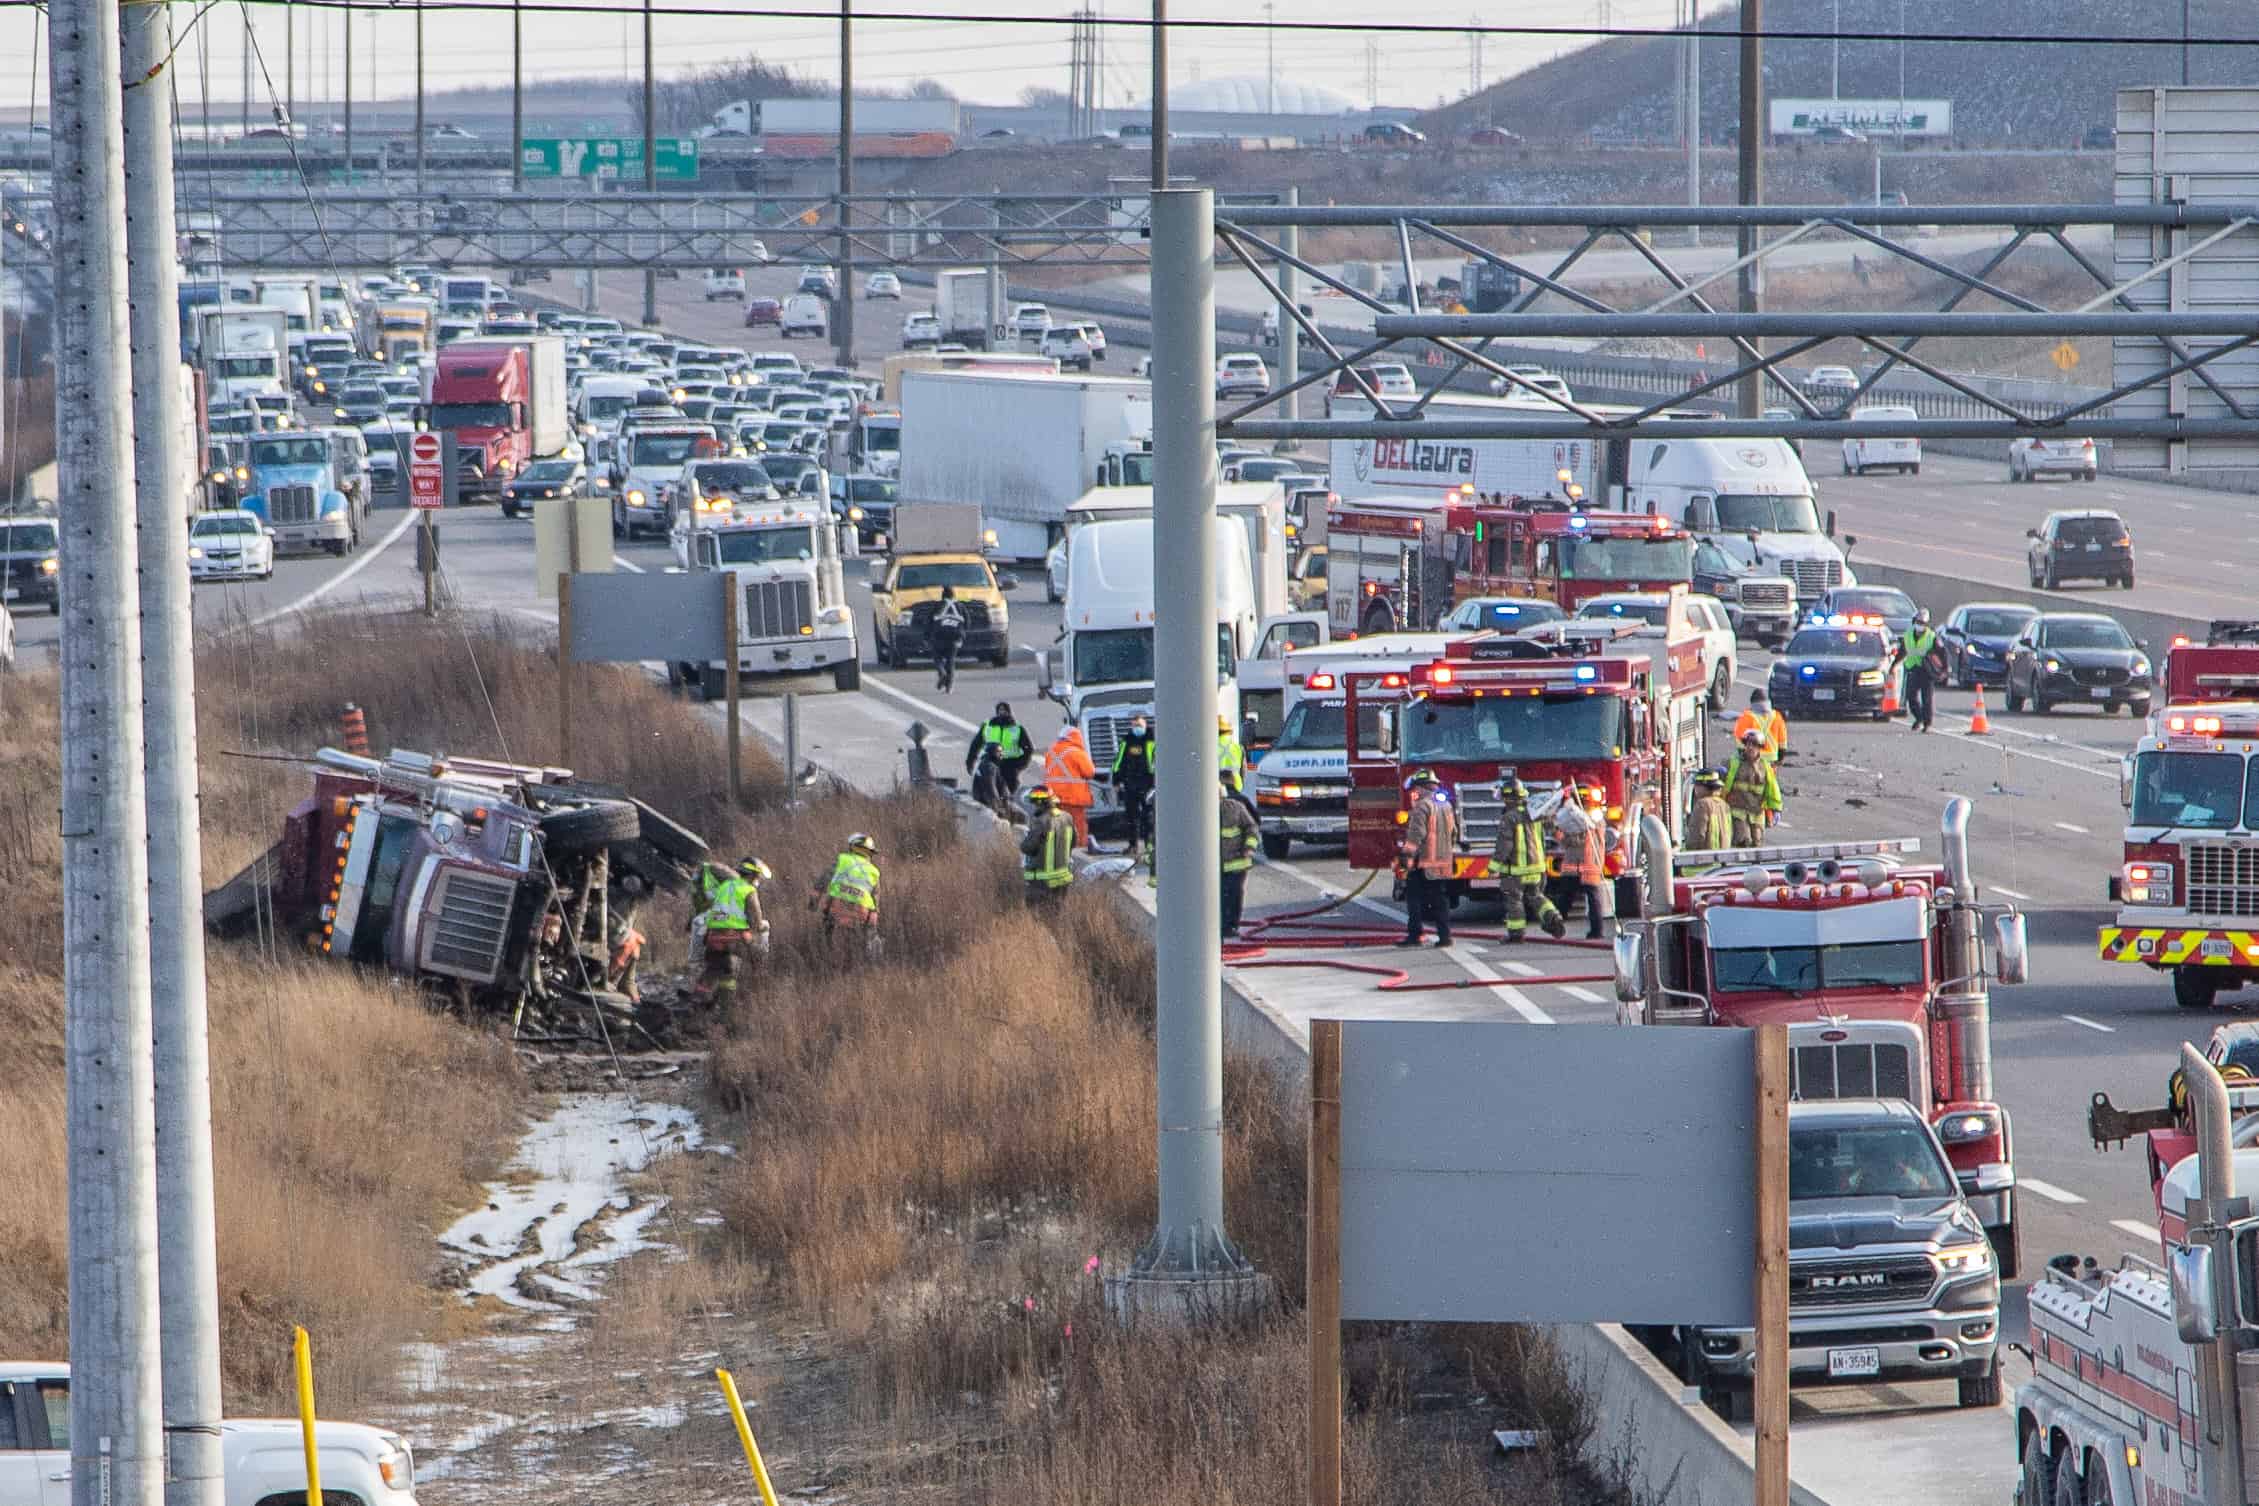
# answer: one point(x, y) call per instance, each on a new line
point(501, 889)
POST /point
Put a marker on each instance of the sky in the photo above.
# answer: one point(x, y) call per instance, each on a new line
point(983, 62)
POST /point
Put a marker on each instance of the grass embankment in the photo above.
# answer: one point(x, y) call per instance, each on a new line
point(349, 1121)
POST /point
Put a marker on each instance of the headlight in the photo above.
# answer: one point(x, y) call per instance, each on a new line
point(1290, 792)
point(49, 565)
point(397, 1466)
point(195, 553)
point(2054, 666)
point(1870, 677)
point(832, 614)
point(219, 477)
point(854, 515)
point(1964, 1260)
point(504, 466)
point(320, 388)
point(313, 371)
point(1961, 1129)
point(2140, 665)
point(340, 412)
point(243, 473)
point(2146, 883)
point(635, 497)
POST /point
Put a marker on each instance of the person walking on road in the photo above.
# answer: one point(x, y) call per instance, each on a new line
point(946, 633)
point(1762, 716)
point(726, 926)
point(1753, 794)
point(1067, 770)
point(1133, 782)
point(1582, 824)
point(849, 898)
point(1519, 862)
point(1045, 871)
point(1236, 839)
point(1709, 825)
point(1425, 852)
point(1008, 741)
point(1918, 652)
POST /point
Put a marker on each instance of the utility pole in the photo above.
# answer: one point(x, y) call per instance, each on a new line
point(650, 162)
point(517, 95)
point(1693, 76)
point(117, 1403)
point(1270, 58)
point(419, 124)
point(187, 1261)
point(349, 98)
point(1189, 1270)
point(250, 40)
point(2184, 41)
point(289, 68)
point(1159, 120)
point(1752, 184)
point(843, 326)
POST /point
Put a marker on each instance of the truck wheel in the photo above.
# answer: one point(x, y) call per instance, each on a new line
point(1721, 685)
point(2031, 1476)
point(585, 828)
point(1276, 845)
point(2195, 987)
point(847, 674)
point(2070, 1490)
point(2007, 1247)
point(712, 685)
point(1002, 658)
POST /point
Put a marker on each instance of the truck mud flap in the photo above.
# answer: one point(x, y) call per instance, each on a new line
point(238, 907)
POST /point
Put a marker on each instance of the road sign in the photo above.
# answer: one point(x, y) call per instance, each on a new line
point(426, 474)
point(620, 157)
point(2065, 356)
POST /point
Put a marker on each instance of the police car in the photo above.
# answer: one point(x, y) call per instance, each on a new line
point(1836, 665)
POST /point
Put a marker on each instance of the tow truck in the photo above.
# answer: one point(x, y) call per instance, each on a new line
point(1873, 959)
point(1564, 704)
point(2188, 889)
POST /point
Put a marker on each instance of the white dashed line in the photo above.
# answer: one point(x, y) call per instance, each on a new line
point(2133, 1226)
point(2011, 893)
point(1520, 969)
point(1582, 995)
point(2080, 1019)
point(2074, 827)
point(2048, 1190)
point(872, 682)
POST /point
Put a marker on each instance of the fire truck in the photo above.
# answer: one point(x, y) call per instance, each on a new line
point(1873, 959)
point(1400, 563)
point(2188, 889)
point(1558, 705)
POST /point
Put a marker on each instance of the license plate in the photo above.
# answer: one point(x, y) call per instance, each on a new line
point(10, 594)
point(1846, 1362)
point(2219, 947)
point(1823, 695)
point(2094, 548)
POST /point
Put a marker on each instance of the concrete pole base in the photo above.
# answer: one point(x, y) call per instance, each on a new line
point(1184, 1299)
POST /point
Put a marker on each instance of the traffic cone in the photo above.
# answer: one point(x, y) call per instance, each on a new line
point(355, 724)
point(1980, 725)
point(1890, 705)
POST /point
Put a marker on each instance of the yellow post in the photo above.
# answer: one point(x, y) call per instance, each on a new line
point(744, 1436)
point(302, 1351)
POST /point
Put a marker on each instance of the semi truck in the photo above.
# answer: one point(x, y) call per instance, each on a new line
point(302, 486)
point(244, 350)
point(1023, 447)
point(398, 334)
point(969, 302)
point(793, 617)
point(504, 401)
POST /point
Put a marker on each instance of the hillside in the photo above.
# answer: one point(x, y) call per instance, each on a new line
point(2030, 94)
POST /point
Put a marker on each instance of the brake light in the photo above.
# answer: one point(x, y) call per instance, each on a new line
point(1392, 682)
point(1440, 674)
point(1319, 682)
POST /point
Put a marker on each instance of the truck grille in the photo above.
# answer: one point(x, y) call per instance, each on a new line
point(778, 608)
point(470, 926)
point(1478, 815)
point(1767, 593)
point(1813, 576)
point(1853, 1069)
point(290, 504)
point(1856, 1283)
point(1104, 735)
point(2223, 879)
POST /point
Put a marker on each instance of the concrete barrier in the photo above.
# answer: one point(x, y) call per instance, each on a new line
point(1942, 593)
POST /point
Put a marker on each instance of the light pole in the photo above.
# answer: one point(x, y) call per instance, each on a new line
point(1835, 50)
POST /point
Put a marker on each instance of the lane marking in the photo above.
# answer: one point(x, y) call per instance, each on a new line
point(2080, 1019)
point(2011, 893)
point(872, 682)
point(2004, 748)
point(368, 558)
point(1581, 993)
point(2073, 827)
point(2137, 1229)
point(2048, 1190)
point(1521, 968)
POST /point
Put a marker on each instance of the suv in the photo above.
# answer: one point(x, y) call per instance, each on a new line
point(920, 328)
point(1706, 615)
point(724, 282)
point(1242, 376)
point(1890, 1276)
point(821, 281)
point(804, 315)
point(29, 565)
point(2092, 544)
point(1075, 345)
point(1029, 321)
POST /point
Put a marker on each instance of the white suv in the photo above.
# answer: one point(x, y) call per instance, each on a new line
point(1029, 321)
point(1705, 614)
point(804, 314)
point(920, 328)
point(724, 282)
point(1242, 376)
point(1075, 345)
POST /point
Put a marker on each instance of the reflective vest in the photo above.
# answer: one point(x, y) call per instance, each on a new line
point(1917, 645)
point(1231, 758)
point(1750, 787)
point(854, 881)
point(1047, 865)
point(1521, 848)
point(1067, 769)
point(1009, 740)
point(1235, 837)
point(1772, 725)
point(1133, 759)
point(1710, 825)
point(1430, 833)
point(1584, 844)
point(727, 900)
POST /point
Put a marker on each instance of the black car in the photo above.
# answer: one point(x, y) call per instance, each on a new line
point(2077, 656)
point(28, 564)
point(1832, 671)
point(542, 480)
point(360, 403)
point(2089, 544)
point(1893, 608)
point(1976, 637)
point(867, 501)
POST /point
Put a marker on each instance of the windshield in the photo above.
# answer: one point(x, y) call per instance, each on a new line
point(1995, 624)
point(242, 367)
point(787, 470)
point(1110, 656)
point(1738, 513)
point(1137, 468)
point(546, 472)
point(603, 407)
point(1319, 726)
point(766, 546)
point(2188, 789)
point(2084, 634)
point(733, 475)
point(1570, 726)
point(470, 415)
point(870, 489)
point(1627, 559)
point(1876, 601)
point(1506, 616)
point(27, 538)
point(1866, 1160)
point(206, 527)
point(362, 393)
point(290, 452)
point(1838, 643)
point(663, 449)
point(934, 576)
point(886, 438)
point(325, 352)
point(1653, 613)
point(1801, 969)
point(1265, 470)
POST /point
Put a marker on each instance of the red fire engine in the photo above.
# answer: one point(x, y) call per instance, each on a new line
point(2188, 890)
point(1874, 961)
point(1401, 563)
point(1556, 705)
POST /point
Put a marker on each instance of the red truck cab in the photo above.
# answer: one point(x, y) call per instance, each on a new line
point(480, 393)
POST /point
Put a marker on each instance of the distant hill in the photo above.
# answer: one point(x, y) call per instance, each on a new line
point(2026, 94)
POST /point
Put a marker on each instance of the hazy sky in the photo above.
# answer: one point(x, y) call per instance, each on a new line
point(981, 62)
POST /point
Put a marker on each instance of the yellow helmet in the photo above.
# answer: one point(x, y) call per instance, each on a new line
point(861, 842)
point(1223, 722)
point(1041, 794)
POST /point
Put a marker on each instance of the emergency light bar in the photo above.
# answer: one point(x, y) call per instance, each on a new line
point(1845, 619)
point(1532, 677)
point(1810, 852)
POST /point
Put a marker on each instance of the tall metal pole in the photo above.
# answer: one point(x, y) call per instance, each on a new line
point(116, 1407)
point(349, 97)
point(2184, 41)
point(419, 121)
point(1290, 333)
point(188, 1272)
point(1693, 73)
point(2215, 1165)
point(517, 96)
point(650, 161)
point(1835, 50)
point(289, 69)
point(1902, 73)
point(1158, 116)
point(1752, 182)
point(843, 323)
point(249, 36)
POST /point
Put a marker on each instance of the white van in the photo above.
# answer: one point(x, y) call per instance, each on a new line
point(803, 315)
point(724, 282)
point(1864, 454)
point(1750, 497)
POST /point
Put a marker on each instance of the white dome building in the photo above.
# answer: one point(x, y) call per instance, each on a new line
point(1251, 95)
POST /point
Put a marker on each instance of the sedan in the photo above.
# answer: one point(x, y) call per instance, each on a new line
point(1888, 605)
point(763, 311)
point(2030, 459)
point(2077, 656)
point(1831, 379)
point(1832, 671)
point(1976, 637)
point(231, 545)
point(541, 481)
point(882, 285)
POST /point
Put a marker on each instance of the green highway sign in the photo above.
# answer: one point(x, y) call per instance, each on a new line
point(674, 157)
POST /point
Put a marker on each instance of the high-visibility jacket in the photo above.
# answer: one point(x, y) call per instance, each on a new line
point(1067, 769)
point(1235, 835)
point(1431, 836)
point(854, 881)
point(1133, 761)
point(1584, 842)
point(1917, 646)
point(1231, 758)
point(729, 901)
point(1772, 725)
point(1750, 785)
point(1709, 825)
point(1521, 848)
point(1044, 849)
point(1009, 739)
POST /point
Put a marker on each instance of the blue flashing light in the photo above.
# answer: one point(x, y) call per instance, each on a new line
point(1807, 670)
point(1587, 672)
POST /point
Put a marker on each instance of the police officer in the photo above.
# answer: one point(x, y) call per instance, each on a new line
point(1426, 851)
point(1045, 871)
point(1752, 793)
point(1519, 862)
point(1236, 839)
point(1709, 825)
point(1133, 781)
point(1918, 652)
point(1007, 741)
point(849, 898)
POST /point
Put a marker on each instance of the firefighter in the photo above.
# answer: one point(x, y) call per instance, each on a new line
point(1582, 824)
point(1045, 872)
point(623, 943)
point(1236, 838)
point(1918, 652)
point(1133, 781)
point(726, 926)
point(1007, 741)
point(1709, 825)
point(1752, 793)
point(1762, 716)
point(1067, 771)
point(1231, 758)
point(849, 898)
point(1519, 862)
point(1425, 853)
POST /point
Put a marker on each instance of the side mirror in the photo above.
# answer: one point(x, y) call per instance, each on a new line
point(1850, 542)
point(2011, 962)
point(2195, 1311)
point(1995, 1176)
point(1631, 966)
point(2142, 644)
point(2243, 1240)
point(2031, 533)
point(1386, 732)
point(1831, 522)
point(1007, 580)
point(1043, 683)
point(2125, 781)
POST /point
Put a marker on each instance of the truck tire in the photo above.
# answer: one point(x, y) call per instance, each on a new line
point(847, 674)
point(1002, 658)
point(585, 828)
point(1276, 844)
point(712, 685)
point(1721, 686)
point(2195, 987)
point(2070, 1490)
point(2031, 1476)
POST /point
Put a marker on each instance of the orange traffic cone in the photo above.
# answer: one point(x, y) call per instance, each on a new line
point(1890, 705)
point(1980, 725)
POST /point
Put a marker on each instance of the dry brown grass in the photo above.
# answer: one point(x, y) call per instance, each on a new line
point(30, 413)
